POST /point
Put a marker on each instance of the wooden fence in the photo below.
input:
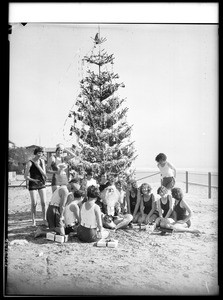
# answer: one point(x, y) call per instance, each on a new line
point(208, 183)
point(185, 178)
point(205, 179)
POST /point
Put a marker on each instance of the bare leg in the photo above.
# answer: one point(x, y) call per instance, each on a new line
point(151, 219)
point(123, 221)
point(42, 194)
point(33, 195)
point(136, 217)
point(177, 227)
point(141, 218)
point(183, 228)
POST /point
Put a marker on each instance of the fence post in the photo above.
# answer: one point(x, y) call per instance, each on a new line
point(209, 185)
point(186, 181)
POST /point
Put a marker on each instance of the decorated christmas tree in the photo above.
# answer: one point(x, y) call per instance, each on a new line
point(99, 118)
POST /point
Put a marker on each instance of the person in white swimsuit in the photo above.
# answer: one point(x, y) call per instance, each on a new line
point(56, 208)
point(90, 228)
point(167, 171)
point(72, 210)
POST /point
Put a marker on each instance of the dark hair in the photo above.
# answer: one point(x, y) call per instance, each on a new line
point(93, 192)
point(134, 188)
point(149, 188)
point(161, 156)
point(89, 172)
point(160, 189)
point(177, 194)
point(74, 180)
point(38, 149)
point(78, 193)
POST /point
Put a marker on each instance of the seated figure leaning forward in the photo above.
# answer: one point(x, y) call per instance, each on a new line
point(90, 228)
point(72, 210)
point(56, 208)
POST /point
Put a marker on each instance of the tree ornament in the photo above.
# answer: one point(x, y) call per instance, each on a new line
point(100, 121)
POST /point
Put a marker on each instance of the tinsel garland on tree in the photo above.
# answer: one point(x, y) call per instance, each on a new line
point(99, 120)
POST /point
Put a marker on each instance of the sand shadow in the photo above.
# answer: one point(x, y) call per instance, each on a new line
point(19, 227)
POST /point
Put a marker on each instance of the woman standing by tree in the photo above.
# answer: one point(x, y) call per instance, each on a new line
point(57, 165)
point(35, 173)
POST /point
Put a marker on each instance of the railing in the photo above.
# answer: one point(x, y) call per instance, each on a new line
point(208, 183)
point(205, 179)
point(188, 178)
point(148, 176)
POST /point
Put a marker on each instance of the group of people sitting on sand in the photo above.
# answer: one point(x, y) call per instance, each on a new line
point(88, 207)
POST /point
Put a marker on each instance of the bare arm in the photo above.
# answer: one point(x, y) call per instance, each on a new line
point(124, 203)
point(27, 173)
point(70, 198)
point(173, 168)
point(80, 205)
point(141, 206)
point(70, 154)
point(184, 204)
point(128, 202)
point(153, 206)
point(98, 217)
point(76, 211)
point(49, 167)
point(137, 203)
point(170, 207)
point(63, 193)
point(44, 166)
point(159, 208)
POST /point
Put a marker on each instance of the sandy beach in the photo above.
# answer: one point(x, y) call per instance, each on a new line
point(142, 264)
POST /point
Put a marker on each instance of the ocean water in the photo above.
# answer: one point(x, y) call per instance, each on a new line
point(199, 177)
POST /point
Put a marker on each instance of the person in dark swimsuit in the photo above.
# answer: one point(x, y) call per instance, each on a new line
point(148, 212)
point(182, 211)
point(131, 199)
point(181, 215)
point(35, 174)
point(165, 203)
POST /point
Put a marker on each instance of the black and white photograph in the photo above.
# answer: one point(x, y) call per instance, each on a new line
point(113, 150)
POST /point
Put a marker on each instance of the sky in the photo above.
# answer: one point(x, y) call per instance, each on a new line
point(170, 72)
